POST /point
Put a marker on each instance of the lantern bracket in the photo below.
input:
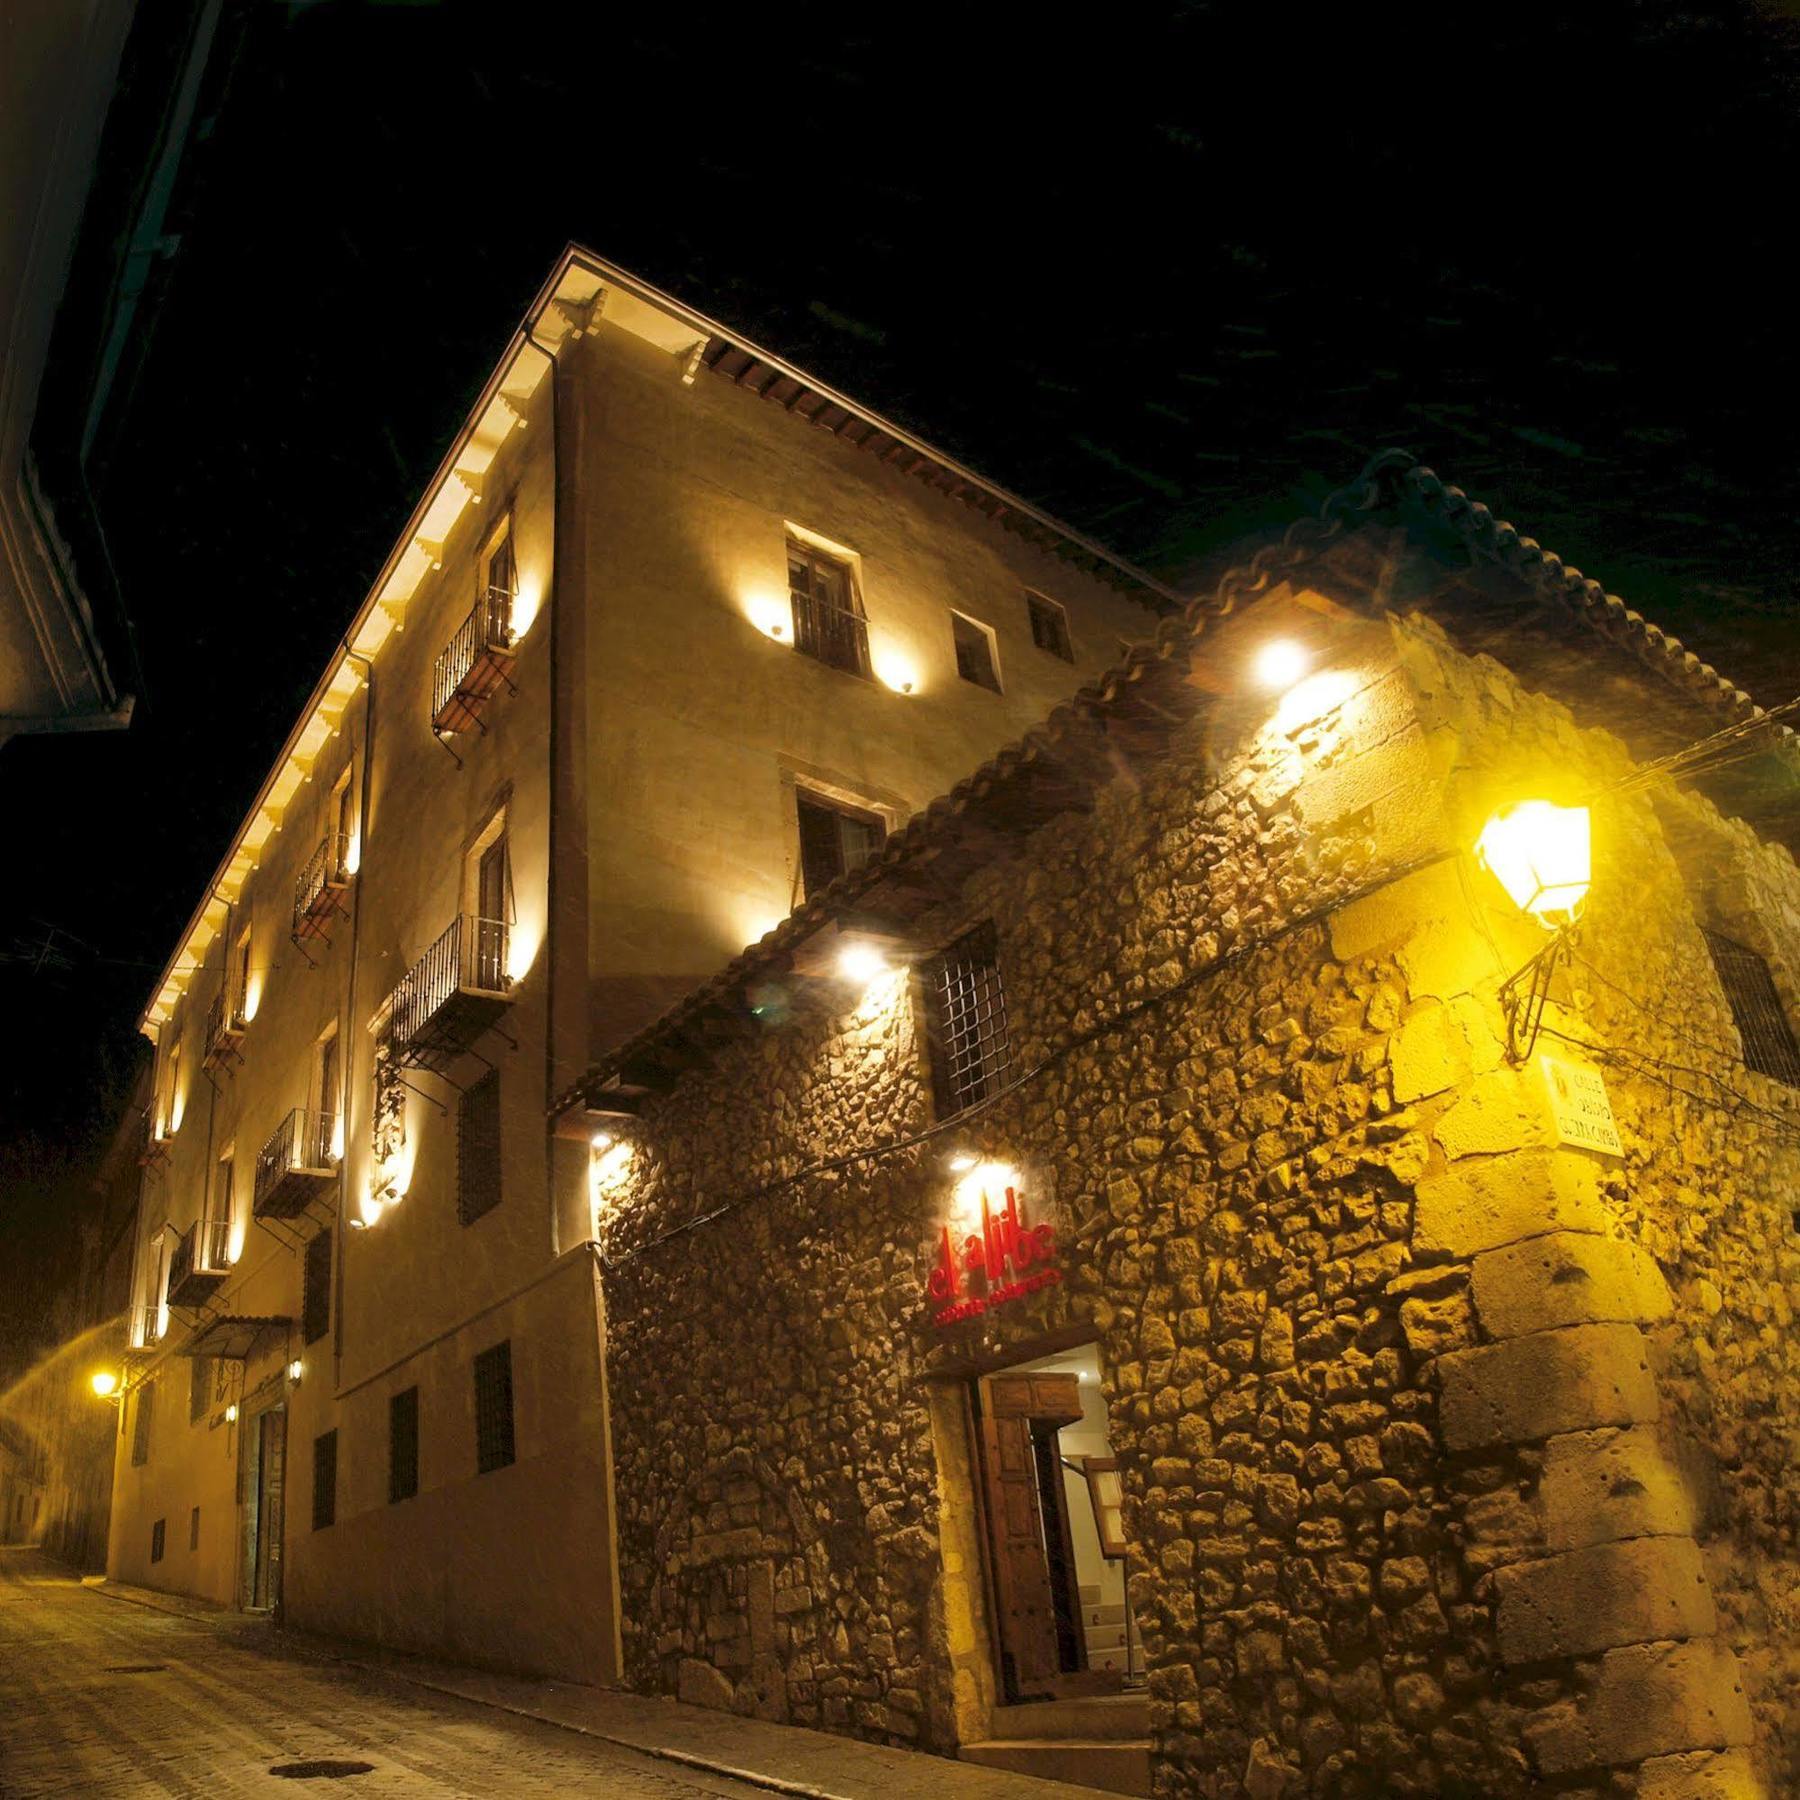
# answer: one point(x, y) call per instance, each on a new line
point(1523, 996)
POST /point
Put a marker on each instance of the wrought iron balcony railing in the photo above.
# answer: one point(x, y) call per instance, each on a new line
point(474, 664)
point(200, 1262)
point(224, 1030)
point(153, 1150)
point(452, 994)
point(319, 886)
point(297, 1163)
point(832, 634)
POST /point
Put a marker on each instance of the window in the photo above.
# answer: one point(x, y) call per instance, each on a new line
point(975, 652)
point(833, 840)
point(403, 1445)
point(156, 1540)
point(1049, 627)
point(315, 1289)
point(140, 1435)
point(828, 612)
point(325, 1083)
point(493, 1409)
point(342, 825)
point(966, 1022)
point(194, 1529)
point(199, 1387)
point(1749, 984)
point(240, 976)
point(487, 887)
point(478, 1149)
point(499, 567)
point(171, 1107)
point(324, 1480)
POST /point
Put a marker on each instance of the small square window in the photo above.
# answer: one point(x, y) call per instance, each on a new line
point(975, 659)
point(324, 1511)
point(834, 839)
point(493, 1409)
point(157, 1537)
point(1049, 627)
point(403, 1445)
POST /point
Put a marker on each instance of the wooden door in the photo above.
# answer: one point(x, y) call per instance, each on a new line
point(1015, 1409)
point(271, 1481)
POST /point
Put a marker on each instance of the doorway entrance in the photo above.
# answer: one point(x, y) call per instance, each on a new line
point(1054, 1544)
point(263, 1456)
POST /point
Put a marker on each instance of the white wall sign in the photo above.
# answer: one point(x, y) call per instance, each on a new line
point(1579, 1107)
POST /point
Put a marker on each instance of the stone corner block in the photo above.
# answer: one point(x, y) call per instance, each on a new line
point(1701, 1775)
point(1598, 1486)
point(1481, 1203)
point(1531, 1388)
point(700, 1684)
point(1505, 1109)
point(1649, 1700)
point(1646, 1590)
point(1567, 1278)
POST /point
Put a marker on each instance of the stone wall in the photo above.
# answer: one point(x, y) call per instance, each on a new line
point(1455, 1458)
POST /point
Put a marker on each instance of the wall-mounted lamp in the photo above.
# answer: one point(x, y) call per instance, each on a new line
point(861, 963)
point(296, 1369)
point(1541, 854)
point(231, 1413)
point(1279, 664)
point(104, 1383)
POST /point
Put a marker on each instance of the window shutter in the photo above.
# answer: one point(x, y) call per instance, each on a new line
point(478, 1149)
point(315, 1290)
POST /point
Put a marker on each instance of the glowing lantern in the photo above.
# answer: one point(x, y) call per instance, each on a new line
point(104, 1383)
point(1540, 853)
point(1279, 665)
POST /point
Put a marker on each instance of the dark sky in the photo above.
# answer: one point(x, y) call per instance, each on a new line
point(1170, 271)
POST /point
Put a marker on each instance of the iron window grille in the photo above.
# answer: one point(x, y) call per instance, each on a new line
point(974, 652)
point(1769, 1044)
point(194, 1529)
point(1049, 627)
point(493, 1409)
point(158, 1533)
point(140, 1431)
point(403, 1445)
point(833, 840)
point(966, 1022)
point(324, 1508)
point(199, 1387)
point(315, 1289)
point(829, 625)
point(478, 1149)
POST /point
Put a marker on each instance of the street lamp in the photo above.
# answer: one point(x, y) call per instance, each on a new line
point(1542, 855)
point(104, 1383)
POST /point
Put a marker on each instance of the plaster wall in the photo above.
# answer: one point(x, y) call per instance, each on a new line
point(1455, 1456)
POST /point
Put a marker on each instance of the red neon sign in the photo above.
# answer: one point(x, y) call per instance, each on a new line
point(1005, 1261)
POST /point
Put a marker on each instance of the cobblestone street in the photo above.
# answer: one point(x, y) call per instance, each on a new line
point(102, 1697)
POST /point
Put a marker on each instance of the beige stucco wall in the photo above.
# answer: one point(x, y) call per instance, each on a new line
point(653, 739)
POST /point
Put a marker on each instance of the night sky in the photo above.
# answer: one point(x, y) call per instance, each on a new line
point(1169, 271)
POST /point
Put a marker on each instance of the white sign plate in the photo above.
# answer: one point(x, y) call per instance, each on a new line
point(1579, 1107)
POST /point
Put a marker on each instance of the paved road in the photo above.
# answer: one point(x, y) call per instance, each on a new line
point(102, 1697)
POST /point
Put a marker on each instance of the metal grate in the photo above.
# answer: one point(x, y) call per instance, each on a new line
point(157, 1538)
point(403, 1445)
point(1049, 627)
point(493, 1409)
point(478, 1149)
point(140, 1431)
point(966, 1022)
point(315, 1289)
point(1769, 1044)
point(325, 1480)
point(828, 618)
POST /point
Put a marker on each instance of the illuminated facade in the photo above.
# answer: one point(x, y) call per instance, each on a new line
point(1201, 1217)
point(674, 637)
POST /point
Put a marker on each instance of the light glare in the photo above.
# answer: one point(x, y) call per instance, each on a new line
point(1279, 664)
point(1542, 855)
point(104, 1383)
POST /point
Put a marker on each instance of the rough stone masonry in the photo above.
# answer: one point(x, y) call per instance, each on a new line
point(1458, 1461)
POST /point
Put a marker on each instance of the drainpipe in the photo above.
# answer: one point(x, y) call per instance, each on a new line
point(347, 1060)
point(551, 960)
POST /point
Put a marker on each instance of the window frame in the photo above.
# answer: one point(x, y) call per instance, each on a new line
point(953, 1094)
point(496, 1424)
point(1767, 1041)
point(143, 1422)
point(820, 801)
point(470, 1209)
point(984, 634)
point(315, 1286)
point(817, 553)
point(400, 1489)
point(1042, 606)
point(325, 1480)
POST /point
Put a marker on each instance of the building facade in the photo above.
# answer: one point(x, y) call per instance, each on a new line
point(1184, 1174)
point(675, 637)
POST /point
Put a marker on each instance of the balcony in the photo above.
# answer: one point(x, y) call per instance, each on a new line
point(297, 1165)
point(200, 1262)
point(224, 1033)
point(319, 887)
point(474, 665)
point(143, 1327)
point(153, 1150)
point(451, 995)
point(831, 634)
